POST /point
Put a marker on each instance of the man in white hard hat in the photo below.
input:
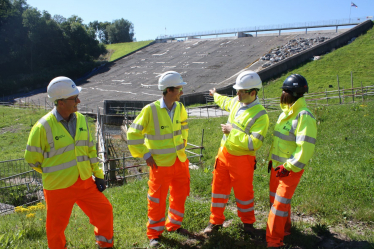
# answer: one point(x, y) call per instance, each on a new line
point(60, 147)
point(243, 134)
point(159, 135)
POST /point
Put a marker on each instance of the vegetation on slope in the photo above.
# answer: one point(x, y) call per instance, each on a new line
point(356, 58)
point(119, 50)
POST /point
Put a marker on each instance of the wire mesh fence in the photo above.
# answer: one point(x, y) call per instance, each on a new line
point(19, 185)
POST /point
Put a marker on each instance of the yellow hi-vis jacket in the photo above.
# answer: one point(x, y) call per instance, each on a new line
point(294, 137)
point(152, 131)
point(248, 129)
point(61, 159)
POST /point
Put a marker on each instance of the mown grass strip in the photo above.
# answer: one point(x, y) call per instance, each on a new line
point(122, 49)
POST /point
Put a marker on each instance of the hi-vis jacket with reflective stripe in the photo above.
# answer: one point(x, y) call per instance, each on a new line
point(152, 131)
point(248, 129)
point(294, 137)
point(61, 159)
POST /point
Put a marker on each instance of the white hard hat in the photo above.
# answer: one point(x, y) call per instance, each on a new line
point(248, 80)
point(170, 79)
point(61, 88)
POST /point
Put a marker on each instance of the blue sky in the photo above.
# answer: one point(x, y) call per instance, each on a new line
point(151, 17)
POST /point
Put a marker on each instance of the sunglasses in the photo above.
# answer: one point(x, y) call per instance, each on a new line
point(75, 99)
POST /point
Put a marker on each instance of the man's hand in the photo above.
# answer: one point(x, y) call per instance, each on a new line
point(226, 128)
point(212, 91)
point(282, 171)
point(100, 184)
point(151, 163)
point(270, 166)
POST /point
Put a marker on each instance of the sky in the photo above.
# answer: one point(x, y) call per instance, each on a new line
point(152, 18)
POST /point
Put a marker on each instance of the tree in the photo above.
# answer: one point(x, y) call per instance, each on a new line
point(120, 30)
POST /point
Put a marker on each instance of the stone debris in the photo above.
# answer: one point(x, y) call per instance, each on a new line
point(293, 46)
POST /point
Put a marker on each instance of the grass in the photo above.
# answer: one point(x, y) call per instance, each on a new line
point(355, 57)
point(121, 49)
point(335, 192)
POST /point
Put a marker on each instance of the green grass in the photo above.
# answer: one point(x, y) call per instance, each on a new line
point(122, 49)
point(356, 57)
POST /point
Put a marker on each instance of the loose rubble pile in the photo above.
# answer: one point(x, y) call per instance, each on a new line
point(292, 47)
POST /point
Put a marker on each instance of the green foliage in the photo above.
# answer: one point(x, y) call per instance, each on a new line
point(355, 57)
point(120, 30)
point(122, 49)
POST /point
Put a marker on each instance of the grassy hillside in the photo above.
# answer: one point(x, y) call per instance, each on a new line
point(356, 57)
point(121, 49)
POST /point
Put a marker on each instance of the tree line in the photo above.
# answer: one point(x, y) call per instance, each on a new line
point(36, 47)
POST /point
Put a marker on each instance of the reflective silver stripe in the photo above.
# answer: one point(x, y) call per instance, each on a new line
point(60, 151)
point(137, 126)
point(81, 143)
point(234, 102)
point(158, 137)
point(155, 200)
point(59, 167)
point(178, 132)
point(244, 202)
point(34, 149)
point(174, 221)
point(135, 141)
point(250, 144)
point(90, 144)
point(94, 160)
point(184, 127)
point(253, 120)
point(224, 137)
point(246, 210)
point(279, 213)
point(160, 228)
point(155, 119)
point(278, 158)
point(224, 103)
point(154, 221)
point(48, 132)
point(103, 239)
point(305, 113)
point(219, 205)
point(271, 193)
point(176, 212)
point(162, 151)
point(35, 165)
point(220, 196)
point(258, 136)
point(290, 137)
point(179, 147)
point(304, 138)
point(234, 126)
point(82, 158)
point(282, 199)
point(298, 164)
point(295, 121)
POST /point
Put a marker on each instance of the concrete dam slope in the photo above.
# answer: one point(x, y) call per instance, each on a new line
point(203, 64)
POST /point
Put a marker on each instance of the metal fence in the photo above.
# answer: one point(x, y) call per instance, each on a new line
point(19, 185)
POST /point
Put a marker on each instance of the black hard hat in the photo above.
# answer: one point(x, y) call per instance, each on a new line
point(296, 84)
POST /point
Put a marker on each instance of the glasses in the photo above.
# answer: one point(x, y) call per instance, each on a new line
point(180, 89)
point(75, 99)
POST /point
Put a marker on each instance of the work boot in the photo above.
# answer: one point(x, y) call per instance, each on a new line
point(183, 231)
point(211, 227)
point(154, 243)
point(249, 229)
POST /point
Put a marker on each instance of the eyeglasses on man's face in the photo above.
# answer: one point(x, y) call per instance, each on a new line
point(73, 98)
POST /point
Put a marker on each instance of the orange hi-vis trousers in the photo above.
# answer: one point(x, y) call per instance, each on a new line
point(233, 172)
point(177, 179)
point(279, 220)
point(94, 204)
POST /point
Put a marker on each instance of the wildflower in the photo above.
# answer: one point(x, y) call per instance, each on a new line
point(363, 105)
point(33, 208)
point(30, 215)
point(18, 209)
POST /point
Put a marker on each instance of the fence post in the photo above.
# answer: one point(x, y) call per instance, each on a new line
point(201, 148)
point(263, 96)
point(327, 100)
point(362, 92)
point(123, 166)
point(353, 95)
point(340, 100)
point(343, 95)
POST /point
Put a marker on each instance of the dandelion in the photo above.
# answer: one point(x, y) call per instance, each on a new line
point(30, 215)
